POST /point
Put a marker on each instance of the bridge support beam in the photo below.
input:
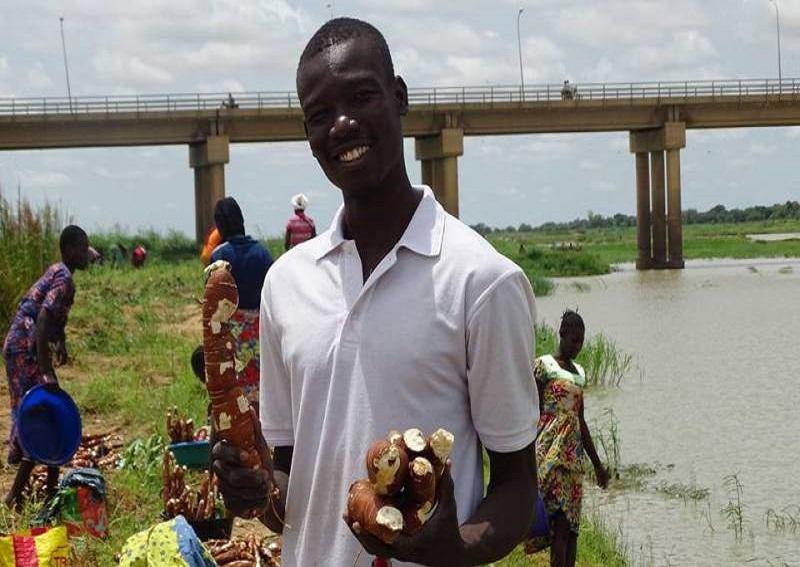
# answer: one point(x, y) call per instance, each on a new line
point(208, 159)
point(659, 229)
point(439, 157)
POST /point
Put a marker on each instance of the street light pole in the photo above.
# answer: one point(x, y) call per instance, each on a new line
point(519, 47)
point(778, 28)
point(66, 66)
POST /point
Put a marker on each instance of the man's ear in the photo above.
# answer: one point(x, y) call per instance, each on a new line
point(401, 95)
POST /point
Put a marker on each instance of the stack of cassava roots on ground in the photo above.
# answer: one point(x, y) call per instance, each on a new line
point(245, 552)
point(404, 471)
point(178, 498)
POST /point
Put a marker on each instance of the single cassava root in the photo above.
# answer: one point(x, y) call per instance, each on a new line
point(230, 409)
point(403, 475)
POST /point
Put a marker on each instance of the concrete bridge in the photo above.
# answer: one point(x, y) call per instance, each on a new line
point(656, 115)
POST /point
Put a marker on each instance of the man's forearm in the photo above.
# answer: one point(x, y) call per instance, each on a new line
point(505, 515)
point(274, 516)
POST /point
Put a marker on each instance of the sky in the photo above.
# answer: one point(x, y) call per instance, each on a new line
point(180, 46)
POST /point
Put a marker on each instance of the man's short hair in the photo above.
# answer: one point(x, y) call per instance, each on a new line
point(340, 30)
point(71, 236)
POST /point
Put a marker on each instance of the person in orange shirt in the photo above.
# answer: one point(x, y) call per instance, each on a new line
point(213, 239)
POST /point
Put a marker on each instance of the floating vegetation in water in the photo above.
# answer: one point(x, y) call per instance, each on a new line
point(752, 269)
point(734, 509)
point(685, 492)
point(787, 520)
point(786, 270)
point(635, 476)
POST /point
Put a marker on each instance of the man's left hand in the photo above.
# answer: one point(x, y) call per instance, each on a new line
point(439, 541)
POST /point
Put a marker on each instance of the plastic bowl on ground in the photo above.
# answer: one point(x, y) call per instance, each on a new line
point(192, 454)
point(49, 425)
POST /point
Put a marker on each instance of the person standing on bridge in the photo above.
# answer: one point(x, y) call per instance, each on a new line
point(40, 322)
point(300, 227)
point(399, 315)
point(249, 262)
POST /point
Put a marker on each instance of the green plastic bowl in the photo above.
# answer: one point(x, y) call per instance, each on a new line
point(192, 454)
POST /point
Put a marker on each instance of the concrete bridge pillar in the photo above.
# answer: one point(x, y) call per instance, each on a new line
point(439, 157)
point(658, 219)
point(208, 158)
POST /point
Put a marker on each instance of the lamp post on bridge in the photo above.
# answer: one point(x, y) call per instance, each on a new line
point(519, 47)
point(778, 28)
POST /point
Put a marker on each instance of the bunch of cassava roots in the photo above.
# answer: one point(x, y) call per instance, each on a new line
point(403, 475)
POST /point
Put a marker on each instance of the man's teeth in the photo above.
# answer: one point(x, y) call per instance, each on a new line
point(354, 154)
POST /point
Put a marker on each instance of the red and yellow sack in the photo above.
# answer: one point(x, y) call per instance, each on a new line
point(38, 547)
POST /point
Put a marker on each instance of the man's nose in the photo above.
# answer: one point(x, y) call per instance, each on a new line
point(343, 127)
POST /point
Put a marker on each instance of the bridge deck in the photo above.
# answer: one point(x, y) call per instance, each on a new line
point(264, 117)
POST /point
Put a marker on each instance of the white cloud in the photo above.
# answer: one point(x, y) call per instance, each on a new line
point(42, 179)
point(119, 67)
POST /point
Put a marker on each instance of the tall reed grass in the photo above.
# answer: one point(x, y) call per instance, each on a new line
point(28, 244)
point(606, 365)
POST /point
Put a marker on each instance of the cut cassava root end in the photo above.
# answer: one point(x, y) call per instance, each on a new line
point(387, 466)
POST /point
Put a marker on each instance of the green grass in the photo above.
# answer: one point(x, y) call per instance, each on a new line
point(594, 250)
point(28, 244)
point(605, 364)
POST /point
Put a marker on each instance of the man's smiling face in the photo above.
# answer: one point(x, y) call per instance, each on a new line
point(353, 106)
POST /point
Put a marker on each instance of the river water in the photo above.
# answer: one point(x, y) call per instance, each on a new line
point(718, 393)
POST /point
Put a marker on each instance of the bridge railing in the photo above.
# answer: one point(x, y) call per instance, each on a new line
point(481, 95)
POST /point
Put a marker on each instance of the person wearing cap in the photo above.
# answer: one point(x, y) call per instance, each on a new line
point(38, 324)
point(300, 226)
point(249, 262)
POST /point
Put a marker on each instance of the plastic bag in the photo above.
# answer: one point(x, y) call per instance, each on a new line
point(80, 504)
point(168, 544)
point(38, 547)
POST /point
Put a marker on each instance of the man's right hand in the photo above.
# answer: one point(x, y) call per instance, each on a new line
point(246, 491)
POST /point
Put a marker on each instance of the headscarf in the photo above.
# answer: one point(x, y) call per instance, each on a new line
point(299, 202)
point(228, 218)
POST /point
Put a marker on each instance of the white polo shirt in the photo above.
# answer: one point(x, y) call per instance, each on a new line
point(440, 335)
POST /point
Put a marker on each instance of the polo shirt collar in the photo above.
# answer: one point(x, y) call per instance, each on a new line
point(423, 234)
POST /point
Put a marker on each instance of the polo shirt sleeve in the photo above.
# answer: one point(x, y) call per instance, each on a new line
point(504, 401)
point(275, 395)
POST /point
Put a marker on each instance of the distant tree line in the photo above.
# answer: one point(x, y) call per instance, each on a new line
point(714, 215)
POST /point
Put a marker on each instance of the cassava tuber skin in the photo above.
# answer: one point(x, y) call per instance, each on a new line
point(415, 515)
point(439, 446)
point(387, 466)
point(230, 409)
point(373, 513)
point(414, 441)
point(421, 484)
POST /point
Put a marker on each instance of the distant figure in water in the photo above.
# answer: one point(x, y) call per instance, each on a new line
point(38, 326)
point(249, 262)
point(300, 226)
point(562, 440)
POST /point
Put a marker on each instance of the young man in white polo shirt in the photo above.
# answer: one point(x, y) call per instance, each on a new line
point(397, 316)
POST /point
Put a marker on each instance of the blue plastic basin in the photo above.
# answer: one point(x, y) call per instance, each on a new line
point(49, 426)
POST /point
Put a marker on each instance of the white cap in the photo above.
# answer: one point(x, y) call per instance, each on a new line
point(299, 201)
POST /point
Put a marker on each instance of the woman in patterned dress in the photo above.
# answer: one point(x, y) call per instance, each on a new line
point(40, 322)
point(562, 441)
point(249, 262)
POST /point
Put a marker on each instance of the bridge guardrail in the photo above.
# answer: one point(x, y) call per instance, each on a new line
point(481, 95)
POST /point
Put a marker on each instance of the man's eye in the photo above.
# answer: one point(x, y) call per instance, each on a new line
point(363, 96)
